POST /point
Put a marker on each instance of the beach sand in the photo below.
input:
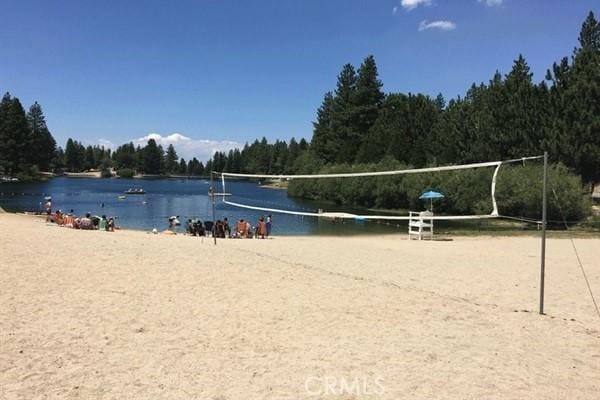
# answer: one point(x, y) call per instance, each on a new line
point(130, 315)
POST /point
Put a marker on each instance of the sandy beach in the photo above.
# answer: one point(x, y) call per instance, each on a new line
point(130, 315)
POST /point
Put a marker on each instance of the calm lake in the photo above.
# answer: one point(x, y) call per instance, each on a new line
point(184, 197)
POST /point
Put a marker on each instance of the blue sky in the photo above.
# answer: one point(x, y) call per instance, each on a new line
point(220, 72)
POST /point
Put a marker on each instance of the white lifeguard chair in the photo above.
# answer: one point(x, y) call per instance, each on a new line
point(420, 224)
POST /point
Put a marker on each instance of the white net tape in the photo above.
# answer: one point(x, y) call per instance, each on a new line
point(493, 214)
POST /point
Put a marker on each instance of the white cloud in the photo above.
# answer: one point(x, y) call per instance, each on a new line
point(186, 147)
point(442, 25)
point(491, 3)
point(412, 4)
point(395, 10)
point(107, 144)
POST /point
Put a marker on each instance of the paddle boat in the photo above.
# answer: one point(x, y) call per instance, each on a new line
point(135, 191)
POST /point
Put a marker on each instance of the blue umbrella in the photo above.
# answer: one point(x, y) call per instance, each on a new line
point(431, 194)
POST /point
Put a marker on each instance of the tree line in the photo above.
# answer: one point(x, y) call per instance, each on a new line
point(510, 116)
point(26, 144)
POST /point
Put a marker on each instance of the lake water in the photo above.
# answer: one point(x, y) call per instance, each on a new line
point(187, 198)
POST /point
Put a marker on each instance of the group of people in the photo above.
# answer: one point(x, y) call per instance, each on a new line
point(262, 230)
point(87, 222)
point(70, 220)
point(222, 229)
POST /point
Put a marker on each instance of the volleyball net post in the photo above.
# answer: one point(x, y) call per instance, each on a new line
point(211, 192)
point(544, 222)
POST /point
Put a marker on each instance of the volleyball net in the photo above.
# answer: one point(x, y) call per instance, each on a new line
point(347, 215)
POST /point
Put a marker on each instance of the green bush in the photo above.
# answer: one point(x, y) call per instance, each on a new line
point(519, 193)
point(125, 173)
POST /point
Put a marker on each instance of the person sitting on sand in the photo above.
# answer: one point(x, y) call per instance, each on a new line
point(173, 222)
point(219, 229)
point(248, 230)
point(189, 227)
point(69, 220)
point(199, 228)
point(86, 222)
point(58, 218)
point(241, 230)
point(226, 228)
point(110, 225)
point(103, 224)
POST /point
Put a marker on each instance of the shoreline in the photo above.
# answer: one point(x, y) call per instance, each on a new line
point(401, 233)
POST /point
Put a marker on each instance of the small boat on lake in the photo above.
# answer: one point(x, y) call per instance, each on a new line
point(135, 191)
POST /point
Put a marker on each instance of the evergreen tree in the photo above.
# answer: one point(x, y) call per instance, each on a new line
point(182, 169)
point(43, 145)
point(15, 144)
point(89, 159)
point(152, 158)
point(323, 143)
point(575, 128)
point(74, 156)
point(171, 160)
point(345, 135)
point(367, 102)
point(589, 36)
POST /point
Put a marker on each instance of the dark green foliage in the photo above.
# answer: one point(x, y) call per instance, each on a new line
point(75, 155)
point(182, 169)
point(151, 158)
point(26, 144)
point(16, 154)
point(260, 157)
point(575, 98)
point(518, 190)
point(323, 142)
point(125, 173)
point(195, 168)
point(125, 156)
point(171, 165)
point(519, 193)
point(42, 144)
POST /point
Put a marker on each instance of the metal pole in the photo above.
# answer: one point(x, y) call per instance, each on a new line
point(212, 197)
point(544, 221)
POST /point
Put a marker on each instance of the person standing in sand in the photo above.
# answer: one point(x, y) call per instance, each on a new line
point(268, 225)
point(261, 228)
point(48, 209)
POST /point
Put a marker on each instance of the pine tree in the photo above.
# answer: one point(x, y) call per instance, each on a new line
point(43, 145)
point(589, 36)
point(171, 160)
point(152, 158)
point(89, 160)
point(323, 142)
point(182, 169)
point(575, 132)
point(367, 103)
point(343, 123)
point(15, 143)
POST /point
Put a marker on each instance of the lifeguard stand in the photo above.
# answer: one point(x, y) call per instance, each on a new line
point(420, 224)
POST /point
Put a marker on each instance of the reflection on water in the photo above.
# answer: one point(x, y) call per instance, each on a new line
point(184, 197)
